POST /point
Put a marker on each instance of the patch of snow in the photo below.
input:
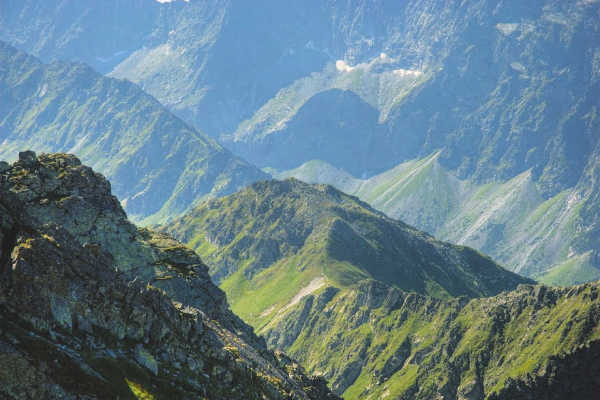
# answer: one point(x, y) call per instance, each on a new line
point(44, 90)
point(305, 291)
point(556, 18)
point(517, 66)
point(407, 72)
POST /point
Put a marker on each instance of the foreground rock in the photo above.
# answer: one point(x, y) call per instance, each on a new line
point(93, 307)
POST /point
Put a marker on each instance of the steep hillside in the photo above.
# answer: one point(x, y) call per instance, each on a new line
point(273, 242)
point(377, 342)
point(499, 87)
point(549, 239)
point(98, 34)
point(158, 165)
point(93, 307)
point(325, 277)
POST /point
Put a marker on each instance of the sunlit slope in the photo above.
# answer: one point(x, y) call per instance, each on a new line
point(377, 342)
point(271, 243)
point(511, 221)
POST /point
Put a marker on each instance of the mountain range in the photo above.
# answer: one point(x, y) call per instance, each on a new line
point(435, 165)
point(383, 310)
point(92, 306)
point(504, 93)
point(159, 166)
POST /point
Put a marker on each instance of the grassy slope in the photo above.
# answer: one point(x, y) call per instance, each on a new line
point(510, 221)
point(393, 344)
point(268, 242)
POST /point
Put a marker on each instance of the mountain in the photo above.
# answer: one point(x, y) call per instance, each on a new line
point(159, 166)
point(98, 34)
point(498, 89)
point(93, 307)
point(383, 310)
point(503, 95)
point(551, 240)
point(199, 58)
point(276, 241)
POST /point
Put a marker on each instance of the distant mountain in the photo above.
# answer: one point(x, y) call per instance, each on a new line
point(498, 89)
point(325, 277)
point(503, 93)
point(275, 239)
point(159, 166)
point(93, 307)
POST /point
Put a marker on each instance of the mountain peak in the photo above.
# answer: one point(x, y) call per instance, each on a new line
point(274, 223)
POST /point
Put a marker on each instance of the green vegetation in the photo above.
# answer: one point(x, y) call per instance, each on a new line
point(383, 349)
point(574, 271)
point(510, 221)
point(138, 391)
point(269, 241)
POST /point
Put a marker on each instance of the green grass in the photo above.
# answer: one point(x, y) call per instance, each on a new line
point(574, 271)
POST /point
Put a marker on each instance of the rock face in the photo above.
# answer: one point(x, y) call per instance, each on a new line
point(93, 307)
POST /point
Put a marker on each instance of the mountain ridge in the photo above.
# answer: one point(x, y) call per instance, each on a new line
point(276, 241)
point(92, 306)
point(305, 265)
point(159, 165)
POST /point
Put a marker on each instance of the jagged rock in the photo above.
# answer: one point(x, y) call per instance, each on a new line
point(28, 158)
point(93, 307)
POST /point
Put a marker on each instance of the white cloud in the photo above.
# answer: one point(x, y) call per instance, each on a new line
point(342, 66)
point(170, 1)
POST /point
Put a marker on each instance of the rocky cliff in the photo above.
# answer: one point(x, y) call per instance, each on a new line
point(93, 307)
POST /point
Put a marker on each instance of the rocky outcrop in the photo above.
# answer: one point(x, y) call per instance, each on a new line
point(93, 307)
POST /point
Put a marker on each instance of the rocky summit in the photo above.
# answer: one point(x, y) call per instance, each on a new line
point(93, 307)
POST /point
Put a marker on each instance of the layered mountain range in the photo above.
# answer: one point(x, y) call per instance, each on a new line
point(428, 132)
point(504, 93)
point(383, 310)
point(93, 307)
